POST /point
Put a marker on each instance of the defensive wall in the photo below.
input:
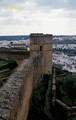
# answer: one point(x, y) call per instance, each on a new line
point(14, 54)
point(15, 94)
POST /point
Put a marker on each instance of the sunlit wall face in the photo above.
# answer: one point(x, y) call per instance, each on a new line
point(47, 16)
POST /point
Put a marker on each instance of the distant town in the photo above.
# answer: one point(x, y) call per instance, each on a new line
point(64, 54)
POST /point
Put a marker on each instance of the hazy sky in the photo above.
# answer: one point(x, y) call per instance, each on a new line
point(47, 16)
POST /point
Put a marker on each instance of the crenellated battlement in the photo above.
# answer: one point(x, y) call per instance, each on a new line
point(39, 38)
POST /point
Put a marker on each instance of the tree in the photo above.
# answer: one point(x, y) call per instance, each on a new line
point(69, 86)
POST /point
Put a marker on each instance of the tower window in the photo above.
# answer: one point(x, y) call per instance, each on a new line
point(40, 48)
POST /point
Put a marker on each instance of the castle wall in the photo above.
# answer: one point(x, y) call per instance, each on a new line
point(15, 94)
point(17, 55)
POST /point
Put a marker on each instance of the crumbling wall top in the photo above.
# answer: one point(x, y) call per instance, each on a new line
point(40, 38)
point(39, 35)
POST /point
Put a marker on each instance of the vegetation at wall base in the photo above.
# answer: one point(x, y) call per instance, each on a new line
point(38, 101)
point(6, 68)
point(66, 90)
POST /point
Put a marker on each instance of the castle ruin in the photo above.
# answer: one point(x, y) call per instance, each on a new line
point(15, 94)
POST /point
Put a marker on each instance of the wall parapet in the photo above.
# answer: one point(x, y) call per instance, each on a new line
point(10, 94)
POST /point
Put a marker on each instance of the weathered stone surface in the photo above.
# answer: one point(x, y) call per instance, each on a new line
point(4, 114)
point(9, 93)
point(17, 55)
point(42, 43)
point(16, 93)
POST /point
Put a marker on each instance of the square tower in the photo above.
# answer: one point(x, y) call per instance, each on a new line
point(42, 43)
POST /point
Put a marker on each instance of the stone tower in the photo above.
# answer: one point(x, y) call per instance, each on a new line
point(42, 43)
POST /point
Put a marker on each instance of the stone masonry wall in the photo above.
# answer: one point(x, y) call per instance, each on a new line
point(14, 54)
point(16, 93)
